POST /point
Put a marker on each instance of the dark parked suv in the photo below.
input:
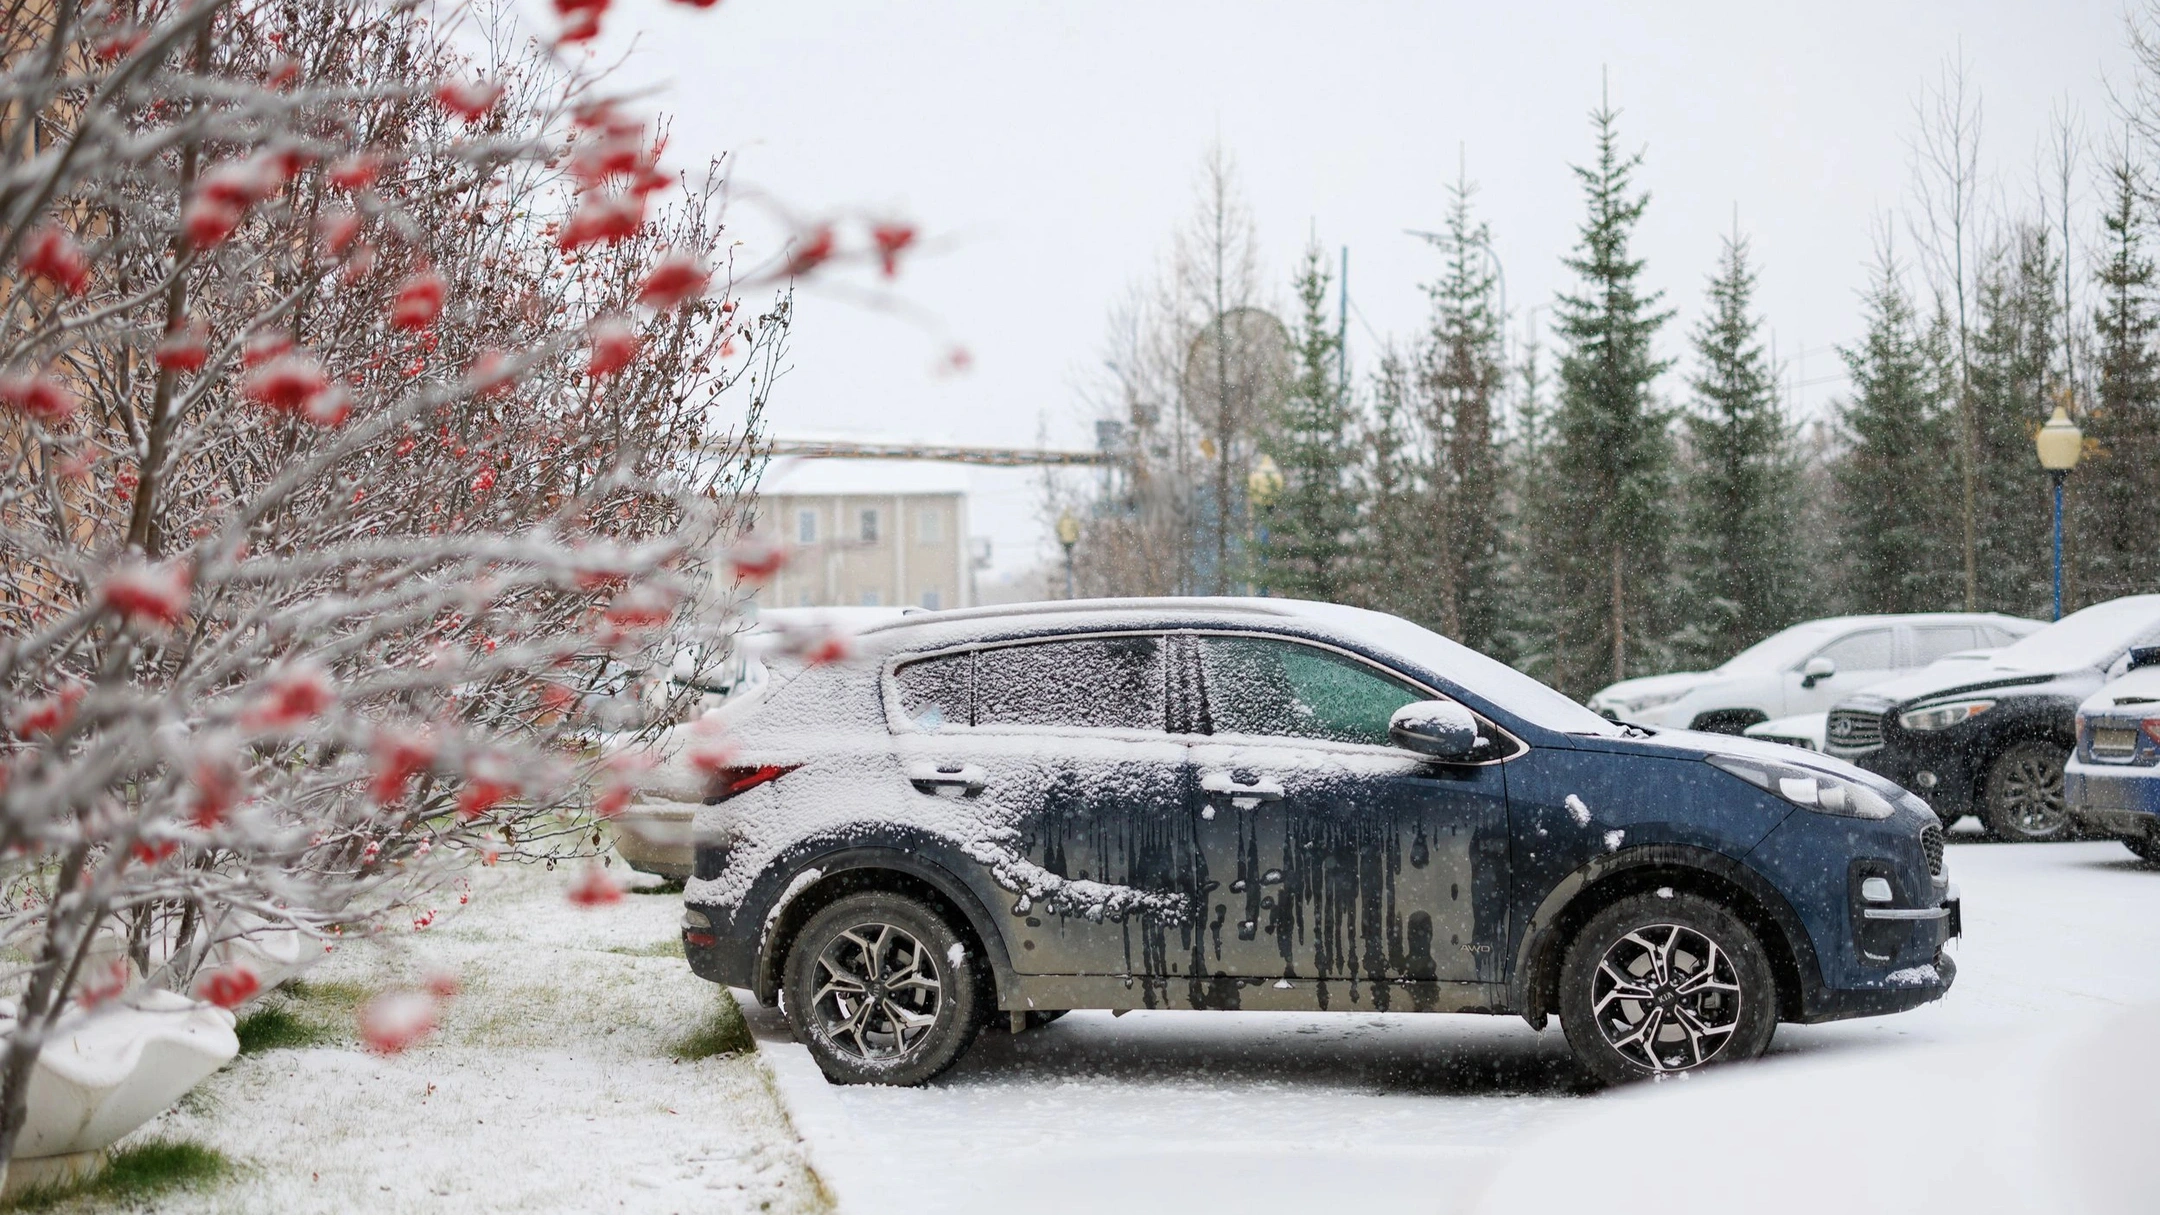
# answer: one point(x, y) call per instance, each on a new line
point(1991, 737)
point(1267, 804)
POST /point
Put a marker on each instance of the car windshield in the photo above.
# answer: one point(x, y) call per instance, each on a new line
point(1781, 651)
point(2093, 637)
point(1508, 687)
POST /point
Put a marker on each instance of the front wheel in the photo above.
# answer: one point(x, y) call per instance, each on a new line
point(878, 987)
point(1663, 983)
point(2023, 798)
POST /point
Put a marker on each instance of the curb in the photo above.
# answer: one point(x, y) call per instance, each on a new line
point(822, 1126)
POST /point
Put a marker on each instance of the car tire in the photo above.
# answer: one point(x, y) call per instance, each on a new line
point(880, 989)
point(2022, 799)
point(2147, 847)
point(1709, 995)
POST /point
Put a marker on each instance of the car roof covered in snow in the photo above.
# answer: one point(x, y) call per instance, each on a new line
point(919, 629)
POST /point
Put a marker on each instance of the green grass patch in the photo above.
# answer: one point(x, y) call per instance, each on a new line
point(302, 1014)
point(724, 1032)
point(670, 948)
point(277, 1027)
point(664, 886)
point(132, 1174)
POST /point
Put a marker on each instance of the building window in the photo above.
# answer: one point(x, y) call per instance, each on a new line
point(929, 525)
point(930, 600)
point(806, 527)
point(872, 599)
point(869, 526)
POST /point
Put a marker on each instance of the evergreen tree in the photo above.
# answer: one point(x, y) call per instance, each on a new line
point(1615, 445)
point(1898, 514)
point(1544, 558)
point(1462, 377)
point(2011, 381)
point(1742, 576)
point(1395, 567)
point(2114, 488)
point(1308, 529)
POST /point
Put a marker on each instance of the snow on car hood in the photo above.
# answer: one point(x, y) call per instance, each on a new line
point(2140, 687)
point(1949, 675)
point(1655, 685)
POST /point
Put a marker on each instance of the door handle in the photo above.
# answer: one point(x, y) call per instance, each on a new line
point(946, 779)
point(1223, 784)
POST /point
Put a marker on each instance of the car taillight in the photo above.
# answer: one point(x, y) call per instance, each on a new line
point(729, 781)
point(2151, 726)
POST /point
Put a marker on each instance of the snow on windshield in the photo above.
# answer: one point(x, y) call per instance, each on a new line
point(2093, 637)
point(1506, 686)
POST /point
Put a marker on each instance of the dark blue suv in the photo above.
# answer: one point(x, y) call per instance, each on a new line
point(1002, 814)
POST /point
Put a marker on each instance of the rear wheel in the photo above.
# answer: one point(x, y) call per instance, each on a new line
point(879, 989)
point(2023, 798)
point(1656, 984)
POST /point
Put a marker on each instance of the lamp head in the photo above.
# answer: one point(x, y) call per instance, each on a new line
point(1265, 482)
point(2060, 442)
point(1068, 529)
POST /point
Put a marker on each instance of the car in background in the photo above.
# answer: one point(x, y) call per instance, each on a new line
point(1804, 731)
point(1804, 669)
point(1267, 804)
point(2112, 782)
point(653, 833)
point(1991, 738)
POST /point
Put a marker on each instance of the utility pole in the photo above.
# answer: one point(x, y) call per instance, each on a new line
point(1342, 327)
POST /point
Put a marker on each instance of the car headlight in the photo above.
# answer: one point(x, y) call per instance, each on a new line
point(1807, 787)
point(1942, 717)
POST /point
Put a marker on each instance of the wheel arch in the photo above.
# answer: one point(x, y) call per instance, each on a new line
point(1534, 987)
point(851, 869)
point(1727, 721)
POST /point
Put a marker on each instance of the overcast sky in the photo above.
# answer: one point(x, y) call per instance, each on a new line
point(1054, 148)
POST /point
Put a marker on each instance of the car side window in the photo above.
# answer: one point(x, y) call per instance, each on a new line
point(1872, 650)
point(937, 692)
point(1931, 642)
point(1270, 687)
point(1084, 683)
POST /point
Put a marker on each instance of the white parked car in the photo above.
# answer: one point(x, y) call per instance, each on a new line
point(1804, 669)
point(654, 834)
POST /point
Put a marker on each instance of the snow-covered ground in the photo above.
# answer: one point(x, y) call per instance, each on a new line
point(1279, 1112)
point(555, 1084)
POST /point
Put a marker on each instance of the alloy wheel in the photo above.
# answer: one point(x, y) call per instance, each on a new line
point(877, 992)
point(1666, 997)
point(2030, 793)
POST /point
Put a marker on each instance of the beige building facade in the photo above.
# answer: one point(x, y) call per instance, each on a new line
point(866, 534)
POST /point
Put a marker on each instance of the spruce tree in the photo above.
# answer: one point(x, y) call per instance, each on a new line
point(1898, 510)
point(1741, 567)
point(1615, 444)
point(2115, 486)
point(1308, 529)
point(2011, 381)
point(1395, 566)
point(1463, 374)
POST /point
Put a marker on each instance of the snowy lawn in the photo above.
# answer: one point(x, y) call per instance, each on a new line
point(1178, 1111)
point(582, 1068)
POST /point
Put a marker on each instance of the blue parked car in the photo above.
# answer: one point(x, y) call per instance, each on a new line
point(2112, 783)
point(1001, 814)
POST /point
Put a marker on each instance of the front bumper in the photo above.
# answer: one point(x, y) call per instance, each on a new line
point(1901, 991)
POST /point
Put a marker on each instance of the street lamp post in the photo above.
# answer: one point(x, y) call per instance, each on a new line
point(1068, 534)
point(2060, 443)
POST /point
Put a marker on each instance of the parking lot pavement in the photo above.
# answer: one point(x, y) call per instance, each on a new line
point(1159, 1111)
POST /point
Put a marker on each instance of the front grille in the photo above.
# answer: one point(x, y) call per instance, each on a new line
point(1931, 846)
point(1853, 730)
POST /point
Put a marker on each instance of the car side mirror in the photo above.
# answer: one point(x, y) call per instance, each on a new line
point(1439, 728)
point(2144, 656)
point(1818, 668)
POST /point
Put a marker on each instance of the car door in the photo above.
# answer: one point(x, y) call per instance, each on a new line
point(1863, 656)
point(1931, 642)
point(1338, 856)
point(1053, 762)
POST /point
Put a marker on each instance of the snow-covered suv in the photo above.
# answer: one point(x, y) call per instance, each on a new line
point(1267, 804)
point(1804, 669)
